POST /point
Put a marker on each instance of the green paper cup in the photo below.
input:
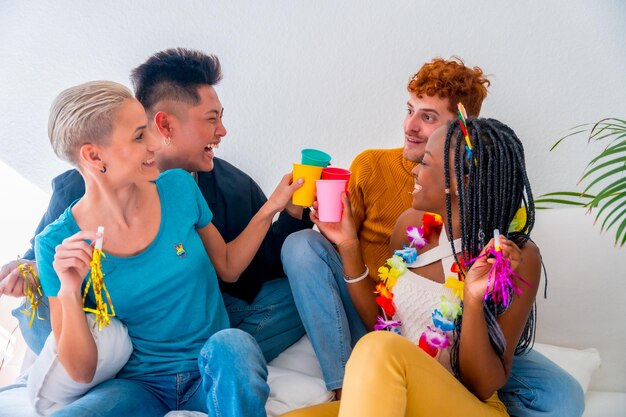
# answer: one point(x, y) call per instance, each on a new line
point(329, 206)
point(315, 157)
point(305, 195)
point(332, 173)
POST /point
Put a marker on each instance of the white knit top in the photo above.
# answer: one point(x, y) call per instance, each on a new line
point(415, 298)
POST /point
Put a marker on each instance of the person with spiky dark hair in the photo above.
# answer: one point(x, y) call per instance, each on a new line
point(176, 88)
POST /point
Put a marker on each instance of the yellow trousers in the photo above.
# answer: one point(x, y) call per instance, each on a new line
point(387, 375)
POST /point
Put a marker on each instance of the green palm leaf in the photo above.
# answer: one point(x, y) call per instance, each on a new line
point(610, 167)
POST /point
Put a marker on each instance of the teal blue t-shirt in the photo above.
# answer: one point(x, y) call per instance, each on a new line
point(168, 295)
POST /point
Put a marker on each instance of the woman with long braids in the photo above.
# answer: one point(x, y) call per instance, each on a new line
point(454, 326)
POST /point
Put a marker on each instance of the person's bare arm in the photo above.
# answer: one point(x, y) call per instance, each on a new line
point(482, 371)
point(76, 347)
point(232, 258)
point(343, 234)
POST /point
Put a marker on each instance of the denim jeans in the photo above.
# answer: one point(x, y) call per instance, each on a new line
point(231, 381)
point(537, 386)
point(272, 318)
point(315, 273)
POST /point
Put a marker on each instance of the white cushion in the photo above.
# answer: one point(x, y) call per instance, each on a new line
point(295, 380)
point(605, 404)
point(299, 357)
point(49, 385)
point(291, 389)
point(579, 363)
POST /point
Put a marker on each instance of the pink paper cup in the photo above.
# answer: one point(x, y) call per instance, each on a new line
point(329, 206)
point(305, 195)
point(332, 173)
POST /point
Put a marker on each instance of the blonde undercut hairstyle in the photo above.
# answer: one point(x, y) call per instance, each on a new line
point(84, 114)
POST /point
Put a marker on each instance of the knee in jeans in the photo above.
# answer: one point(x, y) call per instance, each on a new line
point(229, 345)
point(301, 244)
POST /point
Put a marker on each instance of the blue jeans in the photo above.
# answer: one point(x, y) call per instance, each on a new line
point(315, 273)
point(272, 318)
point(231, 381)
point(537, 386)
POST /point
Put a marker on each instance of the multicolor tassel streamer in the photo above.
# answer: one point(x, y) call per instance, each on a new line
point(96, 280)
point(463, 123)
point(32, 291)
point(501, 278)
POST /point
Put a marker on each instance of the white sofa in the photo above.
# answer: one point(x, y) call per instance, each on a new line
point(583, 313)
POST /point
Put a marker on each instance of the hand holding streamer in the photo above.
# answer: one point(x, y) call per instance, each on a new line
point(32, 291)
point(501, 278)
point(96, 280)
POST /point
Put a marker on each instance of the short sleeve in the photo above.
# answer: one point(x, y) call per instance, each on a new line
point(204, 212)
point(44, 253)
point(179, 189)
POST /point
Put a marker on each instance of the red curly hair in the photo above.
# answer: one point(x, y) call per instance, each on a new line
point(451, 79)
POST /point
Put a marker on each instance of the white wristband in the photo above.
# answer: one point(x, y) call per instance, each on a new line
point(361, 277)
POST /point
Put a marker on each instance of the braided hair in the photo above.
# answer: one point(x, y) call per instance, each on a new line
point(492, 184)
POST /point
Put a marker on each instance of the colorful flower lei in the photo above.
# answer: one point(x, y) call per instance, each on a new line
point(501, 284)
point(435, 337)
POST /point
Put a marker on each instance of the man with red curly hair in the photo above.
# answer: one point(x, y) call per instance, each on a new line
point(380, 191)
point(381, 183)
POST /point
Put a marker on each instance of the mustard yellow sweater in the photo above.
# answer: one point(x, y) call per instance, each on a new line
point(380, 188)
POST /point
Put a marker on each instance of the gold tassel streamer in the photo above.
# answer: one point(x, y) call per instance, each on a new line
point(32, 291)
point(96, 280)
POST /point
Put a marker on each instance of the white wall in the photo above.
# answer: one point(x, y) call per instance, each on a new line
point(586, 285)
point(323, 74)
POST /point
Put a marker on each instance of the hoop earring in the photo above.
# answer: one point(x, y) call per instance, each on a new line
point(103, 169)
point(168, 140)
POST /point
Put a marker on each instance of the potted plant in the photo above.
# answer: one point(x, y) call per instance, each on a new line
point(603, 178)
